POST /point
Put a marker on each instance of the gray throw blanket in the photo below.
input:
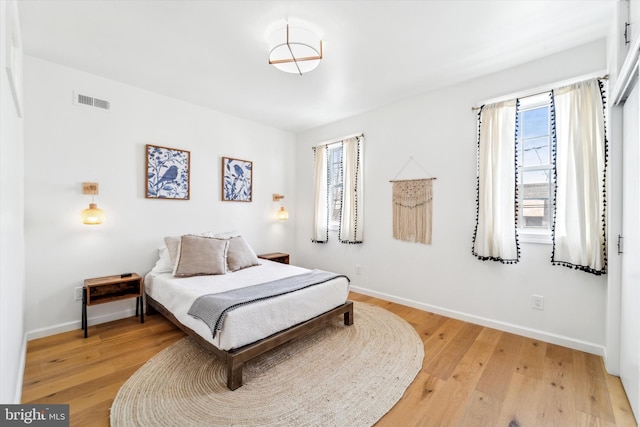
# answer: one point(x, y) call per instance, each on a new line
point(213, 308)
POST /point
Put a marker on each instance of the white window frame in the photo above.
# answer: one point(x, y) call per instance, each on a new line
point(334, 225)
point(531, 234)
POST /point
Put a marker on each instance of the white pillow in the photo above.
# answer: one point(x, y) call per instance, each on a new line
point(225, 235)
point(163, 265)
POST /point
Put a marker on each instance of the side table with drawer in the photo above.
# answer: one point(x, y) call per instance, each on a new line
point(276, 256)
point(100, 290)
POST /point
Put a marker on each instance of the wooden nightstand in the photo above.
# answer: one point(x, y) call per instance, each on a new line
point(100, 290)
point(276, 256)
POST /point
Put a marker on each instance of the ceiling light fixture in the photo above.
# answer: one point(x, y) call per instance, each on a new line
point(295, 50)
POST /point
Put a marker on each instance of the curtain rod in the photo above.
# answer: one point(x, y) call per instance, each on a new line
point(543, 89)
point(335, 141)
point(413, 179)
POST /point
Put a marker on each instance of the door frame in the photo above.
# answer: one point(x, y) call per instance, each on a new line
point(626, 81)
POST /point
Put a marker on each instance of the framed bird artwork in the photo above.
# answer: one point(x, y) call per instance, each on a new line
point(237, 180)
point(167, 173)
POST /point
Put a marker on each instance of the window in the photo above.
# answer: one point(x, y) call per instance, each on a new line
point(535, 169)
point(554, 139)
point(335, 186)
point(338, 191)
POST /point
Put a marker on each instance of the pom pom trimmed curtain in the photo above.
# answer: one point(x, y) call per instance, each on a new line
point(579, 231)
point(351, 217)
point(321, 195)
point(495, 236)
point(579, 179)
point(352, 191)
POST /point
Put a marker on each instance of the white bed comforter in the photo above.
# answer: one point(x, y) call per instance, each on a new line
point(252, 322)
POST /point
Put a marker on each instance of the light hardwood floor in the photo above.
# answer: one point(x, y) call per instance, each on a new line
point(471, 375)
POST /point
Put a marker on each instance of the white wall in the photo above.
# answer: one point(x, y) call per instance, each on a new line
point(67, 144)
point(439, 130)
point(12, 264)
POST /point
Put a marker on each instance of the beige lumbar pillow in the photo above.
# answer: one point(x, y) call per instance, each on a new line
point(199, 256)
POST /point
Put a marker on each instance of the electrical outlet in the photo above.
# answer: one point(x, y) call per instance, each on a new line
point(358, 268)
point(78, 293)
point(537, 302)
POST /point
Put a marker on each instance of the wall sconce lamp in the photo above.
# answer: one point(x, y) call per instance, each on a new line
point(93, 215)
point(282, 213)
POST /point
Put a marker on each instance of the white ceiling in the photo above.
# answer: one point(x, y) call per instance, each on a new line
point(215, 53)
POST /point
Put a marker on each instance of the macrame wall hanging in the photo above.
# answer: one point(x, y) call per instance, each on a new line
point(412, 201)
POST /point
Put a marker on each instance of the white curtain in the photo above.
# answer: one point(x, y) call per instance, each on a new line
point(351, 220)
point(579, 229)
point(321, 195)
point(495, 236)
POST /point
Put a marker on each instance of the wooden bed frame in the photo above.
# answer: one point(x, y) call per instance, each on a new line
point(236, 358)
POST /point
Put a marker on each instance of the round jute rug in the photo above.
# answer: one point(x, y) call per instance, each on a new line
point(336, 375)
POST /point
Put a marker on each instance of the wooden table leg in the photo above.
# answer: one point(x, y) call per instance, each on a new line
point(84, 312)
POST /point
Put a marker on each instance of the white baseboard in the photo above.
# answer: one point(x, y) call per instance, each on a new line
point(491, 323)
point(20, 379)
point(70, 326)
point(483, 321)
point(612, 366)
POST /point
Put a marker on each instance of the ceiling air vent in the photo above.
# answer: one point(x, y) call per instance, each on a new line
point(90, 101)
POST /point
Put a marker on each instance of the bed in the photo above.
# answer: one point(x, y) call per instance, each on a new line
point(183, 274)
